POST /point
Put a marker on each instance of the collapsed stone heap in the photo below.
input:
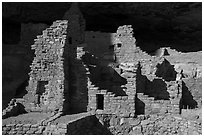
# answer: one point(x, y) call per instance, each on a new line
point(47, 84)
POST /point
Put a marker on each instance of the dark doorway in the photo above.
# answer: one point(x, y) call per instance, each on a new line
point(41, 87)
point(99, 100)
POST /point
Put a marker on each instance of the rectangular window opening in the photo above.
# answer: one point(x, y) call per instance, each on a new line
point(100, 101)
point(119, 45)
point(40, 90)
point(41, 87)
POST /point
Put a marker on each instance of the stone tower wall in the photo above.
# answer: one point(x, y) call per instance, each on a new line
point(75, 42)
point(125, 47)
point(47, 84)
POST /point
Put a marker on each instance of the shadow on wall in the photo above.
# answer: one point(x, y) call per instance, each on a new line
point(88, 126)
point(15, 111)
point(104, 76)
point(166, 71)
point(21, 90)
point(78, 93)
point(156, 88)
point(17, 90)
point(187, 101)
point(139, 106)
point(141, 80)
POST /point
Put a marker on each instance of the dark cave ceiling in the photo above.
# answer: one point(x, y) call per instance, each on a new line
point(179, 24)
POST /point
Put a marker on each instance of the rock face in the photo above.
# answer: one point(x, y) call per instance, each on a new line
point(150, 125)
point(155, 24)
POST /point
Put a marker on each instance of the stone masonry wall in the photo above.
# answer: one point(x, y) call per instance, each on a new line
point(83, 126)
point(160, 99)
point(37, 129)
point(47, 67)
point(125, 44)
point(111, 124)
point(151, 125)
point(120, 105)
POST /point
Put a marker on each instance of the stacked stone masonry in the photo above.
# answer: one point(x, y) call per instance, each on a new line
point(121, 105)
point(145, 99)
point(47, 84)
point(116, 104)
point(111, 124)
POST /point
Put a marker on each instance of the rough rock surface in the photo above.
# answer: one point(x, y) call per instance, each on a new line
point(155, 24)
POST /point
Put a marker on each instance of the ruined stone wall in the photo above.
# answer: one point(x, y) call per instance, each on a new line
point(160, 97)
point(154, 94)
point(47, 66)
point(151, 125)
point(36, 129)
point(190, 70)
point(118, 104)
point(194, 89)
point(87, 125)
point(111, 124)
point(125, 44)
point(77, 77)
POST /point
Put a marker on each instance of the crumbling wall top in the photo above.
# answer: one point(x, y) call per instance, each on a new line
point(125, 34)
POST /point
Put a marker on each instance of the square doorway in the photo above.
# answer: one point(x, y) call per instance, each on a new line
point(100, 101)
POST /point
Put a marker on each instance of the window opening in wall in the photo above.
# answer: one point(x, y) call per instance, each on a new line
point(70, 40)
point(100, 101)
point(43, 51)
point(40, 89)
point(119, 45)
